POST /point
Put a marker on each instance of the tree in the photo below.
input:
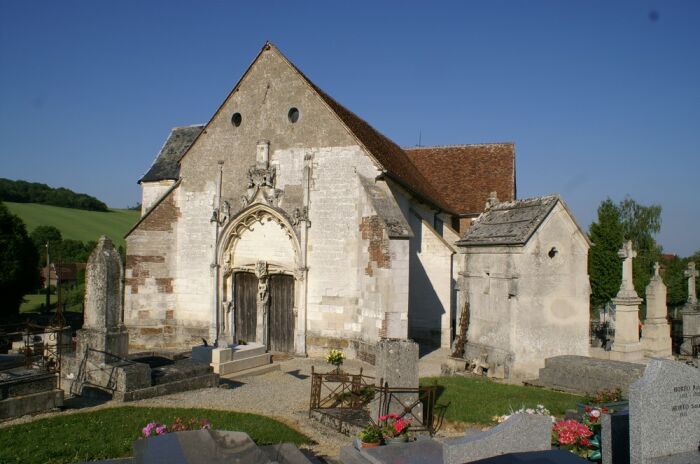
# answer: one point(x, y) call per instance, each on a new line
point(627, 220)
point(43, 235)
point(603, 263)
point(640, 223)
point(676, 284)
point(18, 263)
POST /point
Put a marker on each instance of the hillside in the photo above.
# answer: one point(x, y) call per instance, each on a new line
point(77, 224)
point(21, 191)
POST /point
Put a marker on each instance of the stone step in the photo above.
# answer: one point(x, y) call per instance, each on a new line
point(241, 364)
point(247, 351)
point(260, 370)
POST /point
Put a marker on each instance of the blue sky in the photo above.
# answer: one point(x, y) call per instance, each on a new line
point(601, 98)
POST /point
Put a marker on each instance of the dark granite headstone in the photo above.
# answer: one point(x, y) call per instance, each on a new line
point(199, 447)
point(615, 439)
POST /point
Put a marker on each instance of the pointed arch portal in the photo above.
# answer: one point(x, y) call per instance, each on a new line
point(261, 281)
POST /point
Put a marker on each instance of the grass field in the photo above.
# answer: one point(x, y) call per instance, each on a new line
point(77, 224)
point(109, 433)
point(476, 401)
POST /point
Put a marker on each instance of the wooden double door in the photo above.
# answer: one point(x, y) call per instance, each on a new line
point(280, 312)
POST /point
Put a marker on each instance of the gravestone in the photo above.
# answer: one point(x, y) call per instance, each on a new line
point(212, 447)
point(664, 414)
point(396, 365)
point(690, 312)
point(656, 333)
point(615, 437)
point(103, 330)
point(521, 432)
point(627, 346)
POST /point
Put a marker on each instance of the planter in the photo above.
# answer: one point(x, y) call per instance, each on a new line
point(612, 407)
point(396, 440)
point(370, 445)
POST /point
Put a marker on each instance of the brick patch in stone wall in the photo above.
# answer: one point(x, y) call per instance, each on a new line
point(372, 230)
point(162, 216)
point(164, 284)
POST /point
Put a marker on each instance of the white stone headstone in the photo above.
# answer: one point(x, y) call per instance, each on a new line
point(656, 333)
point(664, 412)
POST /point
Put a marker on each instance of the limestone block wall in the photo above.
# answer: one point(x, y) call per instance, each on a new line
point(553, 316)
point(149, 298)
point(335, 313)
point(151, 192)
point(430, 289)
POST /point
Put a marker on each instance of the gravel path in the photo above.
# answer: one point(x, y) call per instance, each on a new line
point(283, 395)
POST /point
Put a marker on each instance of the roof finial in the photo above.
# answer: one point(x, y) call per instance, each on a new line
point(491, 201)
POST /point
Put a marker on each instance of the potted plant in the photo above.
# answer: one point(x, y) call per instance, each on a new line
point(395, 429)
point(336, 358)
point(370, 436)
point(573, 436)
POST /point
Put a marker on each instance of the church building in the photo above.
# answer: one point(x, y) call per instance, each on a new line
point(288, 220)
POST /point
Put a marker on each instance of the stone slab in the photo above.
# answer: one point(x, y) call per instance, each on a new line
point(588, 375)
point(199, 447)
point(32, 403)
point(664, 411)
point(253, 371)
point(202, 354)
point(520, 433)
point(210, 380)
point(242, 364)
point(285, 453)
point(422, 451)
point(22, 381)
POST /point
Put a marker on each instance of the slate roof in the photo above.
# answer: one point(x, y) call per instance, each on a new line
point(166, 164)
point(509, 223)
point(465, 175)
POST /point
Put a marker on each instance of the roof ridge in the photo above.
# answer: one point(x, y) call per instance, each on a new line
point(464, 145)
point(431, 195)
point(187, 126)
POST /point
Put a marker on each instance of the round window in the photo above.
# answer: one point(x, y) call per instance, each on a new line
point(293, 115)
point(236, 119)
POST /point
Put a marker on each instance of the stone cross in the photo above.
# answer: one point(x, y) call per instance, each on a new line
point(627, 254)
point(656, 270)
point(691, 273)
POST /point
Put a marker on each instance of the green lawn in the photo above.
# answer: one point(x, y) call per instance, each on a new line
point(77, 224)
point(32, 303)
point(109, 433)
point(476, 401)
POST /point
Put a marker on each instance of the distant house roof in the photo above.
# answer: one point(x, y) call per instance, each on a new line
point(465, 175)
point(166, 166)
point(509, 223)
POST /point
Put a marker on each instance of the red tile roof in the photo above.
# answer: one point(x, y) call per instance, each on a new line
point(464, 175)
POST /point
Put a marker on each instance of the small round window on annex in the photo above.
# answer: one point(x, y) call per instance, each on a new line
point(236, 119)
point(293, 115)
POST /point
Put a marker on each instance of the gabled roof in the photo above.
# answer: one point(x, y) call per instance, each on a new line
point(387, 154)
point(166, 164)
point(465, 175)
point(509, 223)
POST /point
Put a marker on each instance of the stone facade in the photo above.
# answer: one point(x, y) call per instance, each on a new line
point(284, 177)
point(526, 284)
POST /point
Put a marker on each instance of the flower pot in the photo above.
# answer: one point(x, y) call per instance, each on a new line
point(396, 440)
point(370, 445)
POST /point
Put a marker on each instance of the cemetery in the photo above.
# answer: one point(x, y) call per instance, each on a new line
point(330, 304)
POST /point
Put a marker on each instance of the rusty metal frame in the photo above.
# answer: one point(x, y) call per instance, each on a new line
point(339, 390)
point(408, 400)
